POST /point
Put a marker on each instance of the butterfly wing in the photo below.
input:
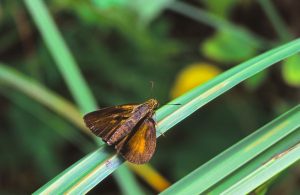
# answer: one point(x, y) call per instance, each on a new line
point(139, 146)
point(104, 122)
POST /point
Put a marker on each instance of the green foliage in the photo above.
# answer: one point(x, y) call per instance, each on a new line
point(62, 56)
point(144, 13)
point(224, 47)
point(110, 4)
point(263, 153)
point(255, 81)
point(93, 168)
point(220, 8)
point(107, 52)
point(291, 70)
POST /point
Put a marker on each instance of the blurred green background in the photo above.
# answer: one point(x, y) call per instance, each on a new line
point(121, 46)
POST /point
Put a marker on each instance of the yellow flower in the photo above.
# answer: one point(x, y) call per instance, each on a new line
point(192, 76)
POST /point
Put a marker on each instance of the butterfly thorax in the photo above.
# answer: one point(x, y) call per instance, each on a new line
point(152, 104)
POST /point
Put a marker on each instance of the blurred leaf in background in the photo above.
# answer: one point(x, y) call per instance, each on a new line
point(144, 11)
point(226, 48)
point(291, 70)
point(257, 80)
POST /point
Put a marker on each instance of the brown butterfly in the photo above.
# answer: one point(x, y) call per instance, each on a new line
point(130, 128)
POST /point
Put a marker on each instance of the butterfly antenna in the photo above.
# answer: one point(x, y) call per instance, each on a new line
point(176, 104)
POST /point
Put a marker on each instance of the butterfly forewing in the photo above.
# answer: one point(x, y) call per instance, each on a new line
point(104, 122)
point(139, 146)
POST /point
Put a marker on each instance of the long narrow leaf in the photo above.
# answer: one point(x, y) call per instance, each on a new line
point(263, 168)
point(62, 55)
point(277, 22)
point(14, 79)
point(168, 116)
point(208, 175)
point(129, 188)
point(68, 68)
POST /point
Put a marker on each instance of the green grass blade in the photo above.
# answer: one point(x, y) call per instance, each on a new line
point(43, 115)
point(65, 62)
point(61, 54)
point(126, 185)
point(262, 168)
point(277, 22)
point(168, 116)
point(14, 79)
point(209, 174)
point(67, 180)
point(266, 172)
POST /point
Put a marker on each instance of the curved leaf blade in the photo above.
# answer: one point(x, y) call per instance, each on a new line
point(168, 116)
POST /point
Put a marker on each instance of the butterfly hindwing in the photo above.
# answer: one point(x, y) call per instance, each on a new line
point(104, 122)
point(139, 146)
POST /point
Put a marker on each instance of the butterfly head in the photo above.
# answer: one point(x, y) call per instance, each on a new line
point(152, 103)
